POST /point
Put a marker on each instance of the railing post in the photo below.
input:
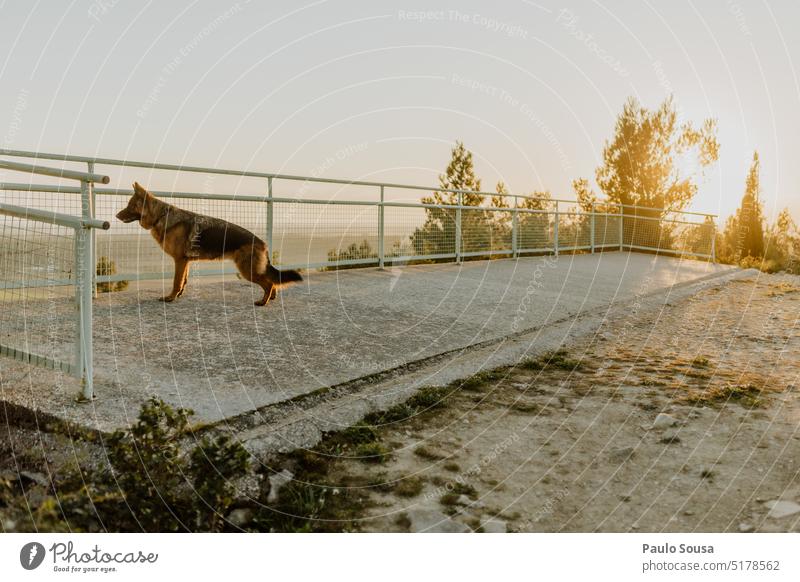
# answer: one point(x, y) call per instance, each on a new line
point(380, 233)
point(592, 227)
point(555, 231)
point(621, 226)
point(85, 352)
point(515, 230)
point(88, 211)
point(269, 219)
point(458, 228)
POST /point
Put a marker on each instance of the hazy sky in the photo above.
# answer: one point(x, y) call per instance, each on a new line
point(381, 90)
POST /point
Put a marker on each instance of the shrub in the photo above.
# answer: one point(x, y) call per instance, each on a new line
point(154, 484)
point(107, 267)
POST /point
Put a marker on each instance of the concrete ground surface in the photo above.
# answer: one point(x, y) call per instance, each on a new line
point(213, 351)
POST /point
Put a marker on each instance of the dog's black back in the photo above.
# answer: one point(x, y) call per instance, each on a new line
point(220, 237)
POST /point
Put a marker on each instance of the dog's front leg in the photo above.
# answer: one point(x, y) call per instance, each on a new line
point(178, 282)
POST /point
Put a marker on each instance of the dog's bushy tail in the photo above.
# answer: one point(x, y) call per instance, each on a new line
point(282, 277)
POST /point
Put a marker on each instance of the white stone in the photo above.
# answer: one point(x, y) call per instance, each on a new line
point(780, 508)
point(664, 420)
point(240, 517)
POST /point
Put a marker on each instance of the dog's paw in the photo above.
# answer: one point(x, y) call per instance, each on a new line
point(167, 299)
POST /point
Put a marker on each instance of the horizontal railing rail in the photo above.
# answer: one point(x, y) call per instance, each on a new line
point(497, 231)
point(94, 160)
point(52, 217)
point(55, 172)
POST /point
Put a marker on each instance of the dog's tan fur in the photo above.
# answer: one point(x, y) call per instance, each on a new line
point(187, 236)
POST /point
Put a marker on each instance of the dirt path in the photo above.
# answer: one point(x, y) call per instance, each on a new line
point(563, 449)
point(682, 418)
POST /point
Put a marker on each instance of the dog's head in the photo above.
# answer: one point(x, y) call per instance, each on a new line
point(135, 208)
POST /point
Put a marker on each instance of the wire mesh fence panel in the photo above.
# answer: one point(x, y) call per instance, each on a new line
point(574, 231)
point(606, 231)
point(692, 239)
point(128, 251)
point(308, 235)
point(62, 202)
point(37, 293)
point(419, 232)
point(646, 233)
point(535, 231)
point(485, 231)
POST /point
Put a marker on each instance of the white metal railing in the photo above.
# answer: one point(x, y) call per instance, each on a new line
point(306, 232)
point(35, 247)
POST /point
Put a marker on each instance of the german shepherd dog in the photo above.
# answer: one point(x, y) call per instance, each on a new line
point(187, 236)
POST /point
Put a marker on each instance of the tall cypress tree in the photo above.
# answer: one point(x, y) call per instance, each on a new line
point(749, 219)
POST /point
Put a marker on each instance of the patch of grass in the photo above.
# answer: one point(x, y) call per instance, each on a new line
point(429, 397)
point(449, 499)
point(409, 487)
point(359, 434)
point(525, 407)
point(701, 362)
point(424, 452)
point(465, 489)
point(782, 288)
point(372, 453)
point(456, 490)
point(398, 413)
point(403, 522)
point(558, 360)
point(452, 467)
point(310, 462)
point(748, 395)
point(476, 382)
point(425, 399)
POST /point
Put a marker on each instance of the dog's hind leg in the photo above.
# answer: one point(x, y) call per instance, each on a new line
point(251, 262)
point(179, 280)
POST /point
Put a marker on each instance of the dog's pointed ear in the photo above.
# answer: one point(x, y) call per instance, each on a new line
point(138, 189)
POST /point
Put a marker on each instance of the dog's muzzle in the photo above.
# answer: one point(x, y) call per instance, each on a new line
point(125, 217)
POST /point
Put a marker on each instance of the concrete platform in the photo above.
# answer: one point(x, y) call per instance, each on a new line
point(214, 352)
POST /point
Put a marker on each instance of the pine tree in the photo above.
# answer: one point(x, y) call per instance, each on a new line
point(438, 233)
point(747, 226)
point(640, 162)
point(459, 175)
